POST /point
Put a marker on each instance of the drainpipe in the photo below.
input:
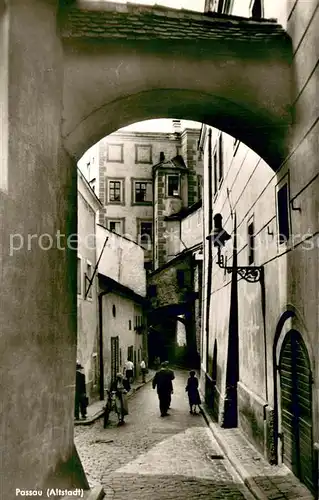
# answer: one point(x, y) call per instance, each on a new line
point(210, 256)
point(101, 360)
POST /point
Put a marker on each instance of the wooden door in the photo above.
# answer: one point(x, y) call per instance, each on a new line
point(296, 408)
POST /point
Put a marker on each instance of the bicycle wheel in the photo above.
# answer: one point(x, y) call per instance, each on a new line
point(106, 415)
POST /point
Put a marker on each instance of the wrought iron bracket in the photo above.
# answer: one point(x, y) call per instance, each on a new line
point(252, 274)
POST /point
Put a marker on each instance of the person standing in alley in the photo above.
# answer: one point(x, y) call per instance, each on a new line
point(80, 393)
point(163, 381)
point(129, 370)
point(143, 370)
point(193, 393)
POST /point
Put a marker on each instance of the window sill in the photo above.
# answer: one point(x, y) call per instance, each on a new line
point(144, 203)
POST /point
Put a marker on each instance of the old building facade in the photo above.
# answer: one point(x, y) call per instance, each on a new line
point(238, 75)
point(120, 167)
point(87, 293)
point(122, 304)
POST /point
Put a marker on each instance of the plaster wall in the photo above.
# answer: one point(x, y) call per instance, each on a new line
point(87, 308)
point(122, 260)
point(192, 229)
point(122, 325)
point(37, 297)
point(4, 78)
point(165, 78)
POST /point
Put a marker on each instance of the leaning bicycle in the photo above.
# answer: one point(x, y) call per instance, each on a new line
point(113, 404)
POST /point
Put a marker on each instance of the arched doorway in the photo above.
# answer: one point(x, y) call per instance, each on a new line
point(296, 407)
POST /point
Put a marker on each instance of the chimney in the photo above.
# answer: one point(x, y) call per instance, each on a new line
point(177, 126)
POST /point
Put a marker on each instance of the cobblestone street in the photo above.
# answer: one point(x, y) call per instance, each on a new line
point(157, 458)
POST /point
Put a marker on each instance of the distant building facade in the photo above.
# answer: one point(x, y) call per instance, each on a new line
point(120, 168)
point(122, 301)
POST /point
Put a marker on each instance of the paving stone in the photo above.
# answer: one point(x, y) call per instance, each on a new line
point(154, 458)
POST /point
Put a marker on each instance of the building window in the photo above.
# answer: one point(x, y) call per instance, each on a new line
point(130, 324)
point(88, 277)
point(142, 192)
point(114, 311)
point(79, 277)
point(115, 225)
point(148, 266)
point(283, 213)
point(256, 9)
point(220, 6)
point(235, 146)
point(251, 242)
point(143, 154)
point(215, 172)
point(220, 158)
point(114, 153)
point(145, 236)
point(180, 275)
point(115, 191)
point(173, 185)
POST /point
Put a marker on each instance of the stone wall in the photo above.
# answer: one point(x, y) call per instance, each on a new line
point(38, 292)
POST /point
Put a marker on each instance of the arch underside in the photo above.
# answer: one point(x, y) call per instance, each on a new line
point(259, 132)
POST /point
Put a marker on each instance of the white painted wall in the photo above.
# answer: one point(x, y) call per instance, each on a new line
point(87, 308)
point(192, 229)
point(122, 260)
point(121, 325)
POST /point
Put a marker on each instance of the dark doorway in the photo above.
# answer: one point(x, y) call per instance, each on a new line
point(296, 408)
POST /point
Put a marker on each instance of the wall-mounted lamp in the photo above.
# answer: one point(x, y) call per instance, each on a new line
point(219, 237)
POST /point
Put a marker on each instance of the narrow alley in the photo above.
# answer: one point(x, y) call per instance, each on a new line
point(158, 458)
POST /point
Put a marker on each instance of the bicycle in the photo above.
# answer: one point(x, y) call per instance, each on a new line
point(114, 404)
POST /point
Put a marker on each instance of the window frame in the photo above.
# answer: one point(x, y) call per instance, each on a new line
point(121, 180)
point(251, 241)
point(284, 181)
point(139, 227)
point(220, 159)
point(115, 219)
point(140, 180)
point(79, 294)
point(251, 5)
point(108, 159)
point(179, 185)
point(145, 162)
point(89, 296)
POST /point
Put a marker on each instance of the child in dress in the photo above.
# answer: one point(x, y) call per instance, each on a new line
point(193, 393)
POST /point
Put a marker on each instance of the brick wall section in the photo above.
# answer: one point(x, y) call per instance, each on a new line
point(168, 291)
point(145, 22)
point(189, 152)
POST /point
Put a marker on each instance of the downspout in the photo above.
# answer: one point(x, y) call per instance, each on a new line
point(210, 256)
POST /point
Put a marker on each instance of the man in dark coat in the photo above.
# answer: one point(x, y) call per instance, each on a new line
point(80, 393)
point(163, 380)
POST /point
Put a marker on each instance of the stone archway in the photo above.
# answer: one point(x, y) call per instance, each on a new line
point(124, 64)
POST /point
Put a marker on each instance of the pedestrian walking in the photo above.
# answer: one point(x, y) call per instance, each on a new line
point(80, 393)
point(121, 398)
point(129, 370)
point(157, 362)
point(163, 381)
point(193, 393)
point(143, 370)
